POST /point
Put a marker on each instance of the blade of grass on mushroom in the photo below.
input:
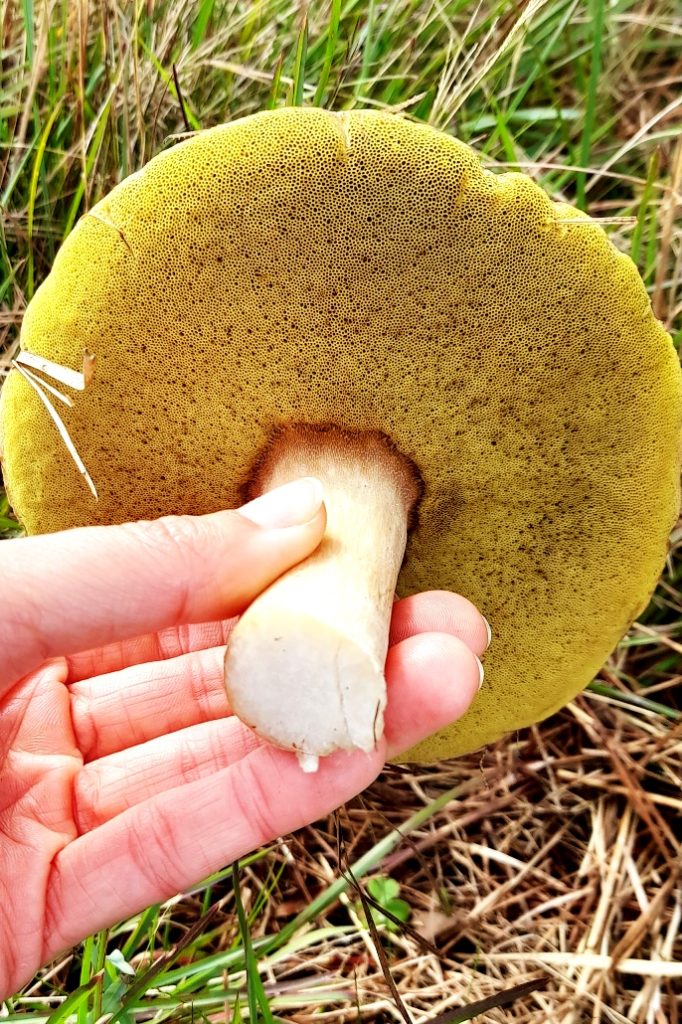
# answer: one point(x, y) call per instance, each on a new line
point(108, 224)
point(48, 387)
point(64, 374)
point(595, 220)
point(63, 432)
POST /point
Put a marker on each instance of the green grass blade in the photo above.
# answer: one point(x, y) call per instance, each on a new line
point(597, 9)
point(91, 159)
point(33, 191)
point(201, 22)
point(636, 701)
point(299, 64)
point(170, 85)
point(276, 82)
point(29, 21)
point(256, 992)
point(507, 139)
point(147, 924)
point(74, 1001)
point(237, 1016)
point(92, 966)
point(369, 861)
point(367, 51)
point(538, 69)
point(332, 37)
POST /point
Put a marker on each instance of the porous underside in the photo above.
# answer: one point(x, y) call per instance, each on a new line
point(362, 270)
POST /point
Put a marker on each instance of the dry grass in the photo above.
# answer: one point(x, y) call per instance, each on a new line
point(561, 859)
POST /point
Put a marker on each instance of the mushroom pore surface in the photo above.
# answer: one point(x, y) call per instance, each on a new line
point(362, 271)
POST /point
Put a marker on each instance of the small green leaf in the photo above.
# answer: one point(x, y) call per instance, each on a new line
point(383, 889)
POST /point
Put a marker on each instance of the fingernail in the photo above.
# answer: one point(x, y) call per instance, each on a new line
point(481, 672)
point(488, 630)
point(292, 504)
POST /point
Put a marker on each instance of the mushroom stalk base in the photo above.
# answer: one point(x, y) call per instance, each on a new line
point(305, 664)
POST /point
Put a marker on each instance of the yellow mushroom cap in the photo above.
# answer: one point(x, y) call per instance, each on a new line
point(299, 266)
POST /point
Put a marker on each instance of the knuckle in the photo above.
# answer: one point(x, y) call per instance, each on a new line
point(189, 759)
point(174, 540)
point(152, 850)
point(86, 800)
point(83, 723)
point(252, 802)
point(202, 752)
point(179, 532)
point(191, 534)
point(175, 641)
point(205, 678)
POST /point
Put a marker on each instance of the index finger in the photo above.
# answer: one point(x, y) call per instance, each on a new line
point(92, 586)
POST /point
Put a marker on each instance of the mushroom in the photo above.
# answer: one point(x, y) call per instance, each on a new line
point(473, 371)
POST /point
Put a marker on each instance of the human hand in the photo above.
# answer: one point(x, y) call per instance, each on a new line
point(123, 777)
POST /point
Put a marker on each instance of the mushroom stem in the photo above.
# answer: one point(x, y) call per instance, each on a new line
point(305, 664)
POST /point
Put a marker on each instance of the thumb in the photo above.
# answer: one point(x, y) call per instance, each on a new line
point(88, 587)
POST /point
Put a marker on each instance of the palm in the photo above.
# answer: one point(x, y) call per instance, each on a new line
point(124, 778)
point(65, 735)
